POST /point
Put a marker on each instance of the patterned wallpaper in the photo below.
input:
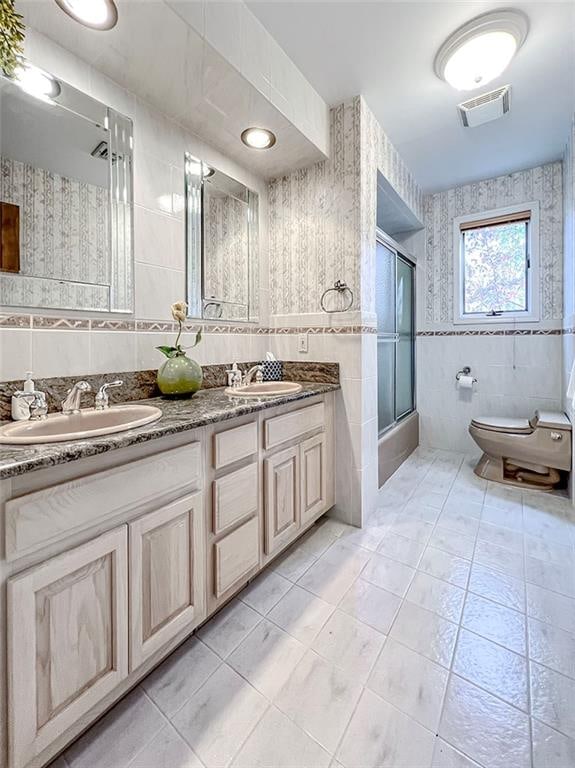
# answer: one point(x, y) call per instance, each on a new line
point(64, 224)
point(322, 218)
point(226, 249)
point(544, 184)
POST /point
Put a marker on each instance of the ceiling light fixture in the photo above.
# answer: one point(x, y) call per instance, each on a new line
point(36, 82)
point(481, 50)
point(258, 138)
point(96, 14)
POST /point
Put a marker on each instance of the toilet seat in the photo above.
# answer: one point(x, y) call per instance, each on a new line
point(503, 424)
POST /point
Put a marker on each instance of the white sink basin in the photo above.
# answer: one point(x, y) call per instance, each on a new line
point(265, 388)
point(60, 428)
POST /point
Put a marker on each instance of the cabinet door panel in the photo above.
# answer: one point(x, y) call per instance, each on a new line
point(166, 575)
point(313, 477)
point(282, 498)
point(67, 640)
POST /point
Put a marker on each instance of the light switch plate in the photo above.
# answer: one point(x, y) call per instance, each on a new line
point(302, 341)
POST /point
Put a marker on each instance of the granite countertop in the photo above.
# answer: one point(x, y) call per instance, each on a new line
point(206, 407)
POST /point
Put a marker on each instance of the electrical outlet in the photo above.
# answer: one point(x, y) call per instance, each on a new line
point(302, 342)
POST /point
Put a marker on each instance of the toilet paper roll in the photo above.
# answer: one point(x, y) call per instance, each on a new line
point(465, 382)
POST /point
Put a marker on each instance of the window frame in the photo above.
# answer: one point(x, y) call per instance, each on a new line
point(532, 314)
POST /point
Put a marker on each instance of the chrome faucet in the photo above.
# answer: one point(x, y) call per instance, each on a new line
point(72, 402)
point(257, 370)
point(36, 402)
point(102, 400)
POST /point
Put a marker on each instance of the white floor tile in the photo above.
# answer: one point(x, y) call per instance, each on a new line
point(320, 698)
point(301, 614)
point(552, 647)
point(551, 749)
point(267, 590)
point(553, 576)
point(388, 574)
point(226, 630)
point(349, 644)
point(436, 595)
point(445, 566)
point(400, 548)
point(410, 682)
point(552, 698)
point(495, 622)
point(490, 666)
point(294, 564)
point(333, 574)
point(425, 632)
point(380, 736)
point(218, 717)
point(446, 756)
point(267, 657)
point(166, 750)
point(172, 683)
point(497, 586)
point(499, 559)
point(501, 537)
point(276, 742)
point(118, 737)
point(551, 607)
point(452, 542)
point(483, 727)
point(370, 604)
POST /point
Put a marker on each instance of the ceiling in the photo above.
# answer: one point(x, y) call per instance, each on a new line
point(385, 51)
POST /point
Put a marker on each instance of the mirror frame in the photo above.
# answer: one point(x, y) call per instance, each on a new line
point(195, 241)
point(121, 196)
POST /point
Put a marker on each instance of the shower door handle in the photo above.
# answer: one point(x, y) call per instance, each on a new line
point(388, 337)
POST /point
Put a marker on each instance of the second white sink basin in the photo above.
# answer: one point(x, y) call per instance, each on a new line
point(265, 388)
point(60, 428)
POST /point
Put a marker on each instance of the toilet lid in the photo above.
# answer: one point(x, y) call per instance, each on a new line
point(503, 424)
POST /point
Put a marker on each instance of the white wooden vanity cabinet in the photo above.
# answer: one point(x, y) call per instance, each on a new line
point(110, 562)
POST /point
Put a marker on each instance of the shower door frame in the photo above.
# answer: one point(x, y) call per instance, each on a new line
point(401, 253)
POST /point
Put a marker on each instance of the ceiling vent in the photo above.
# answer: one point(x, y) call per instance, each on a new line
point(484, 108)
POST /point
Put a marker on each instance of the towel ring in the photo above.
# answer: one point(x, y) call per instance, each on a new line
point(339, 287)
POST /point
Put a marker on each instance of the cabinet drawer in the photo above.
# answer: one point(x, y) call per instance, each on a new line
point(280, 429)
point(39, 518)
point(235, 497)
point(235, 444)
point(236, 555)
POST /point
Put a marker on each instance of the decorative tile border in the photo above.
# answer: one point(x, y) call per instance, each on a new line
point(512, 332)
point(38, 322)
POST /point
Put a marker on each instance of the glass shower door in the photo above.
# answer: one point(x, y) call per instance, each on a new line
point(386, 335)
point(404, 363)
point(394, 300)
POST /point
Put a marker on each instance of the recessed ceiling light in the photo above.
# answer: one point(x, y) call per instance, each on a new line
point(36, 82)
point(258, 138)
point(481, 50)
point(96, 14)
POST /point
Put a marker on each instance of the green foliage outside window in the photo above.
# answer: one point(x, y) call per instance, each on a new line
point(495, 262)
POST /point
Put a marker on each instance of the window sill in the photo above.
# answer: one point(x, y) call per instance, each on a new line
point(497, 320)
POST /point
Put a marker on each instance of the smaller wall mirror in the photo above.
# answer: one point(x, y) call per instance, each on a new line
point(65, 197)
point(221, 244)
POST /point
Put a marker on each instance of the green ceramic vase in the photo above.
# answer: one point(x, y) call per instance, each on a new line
point(179, 376)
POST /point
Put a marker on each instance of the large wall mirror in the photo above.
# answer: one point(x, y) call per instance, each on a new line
point(65, 198)
point(222, 245)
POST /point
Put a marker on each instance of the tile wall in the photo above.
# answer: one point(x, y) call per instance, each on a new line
point(518, 367)
point(96, 344)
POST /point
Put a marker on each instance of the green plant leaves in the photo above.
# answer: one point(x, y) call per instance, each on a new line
point(11, 37)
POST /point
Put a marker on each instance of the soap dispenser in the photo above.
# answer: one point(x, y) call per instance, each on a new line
point(21, 405)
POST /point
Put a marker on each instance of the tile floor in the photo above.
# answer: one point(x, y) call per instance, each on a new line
point(442, 635)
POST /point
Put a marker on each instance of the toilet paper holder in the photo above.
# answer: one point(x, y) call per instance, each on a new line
point(465, 371)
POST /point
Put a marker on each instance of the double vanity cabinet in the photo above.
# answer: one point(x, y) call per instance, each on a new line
point(110, 561)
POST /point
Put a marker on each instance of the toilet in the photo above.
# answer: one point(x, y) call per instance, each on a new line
point(523, 452)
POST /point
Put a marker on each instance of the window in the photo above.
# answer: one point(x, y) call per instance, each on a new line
point(496, 265)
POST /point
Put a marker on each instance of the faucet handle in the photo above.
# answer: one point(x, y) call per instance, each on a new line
point(102, 400)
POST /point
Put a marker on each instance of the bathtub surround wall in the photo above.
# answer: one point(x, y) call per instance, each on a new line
point(516, 364)
point(322, 229)
point(569, 265)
